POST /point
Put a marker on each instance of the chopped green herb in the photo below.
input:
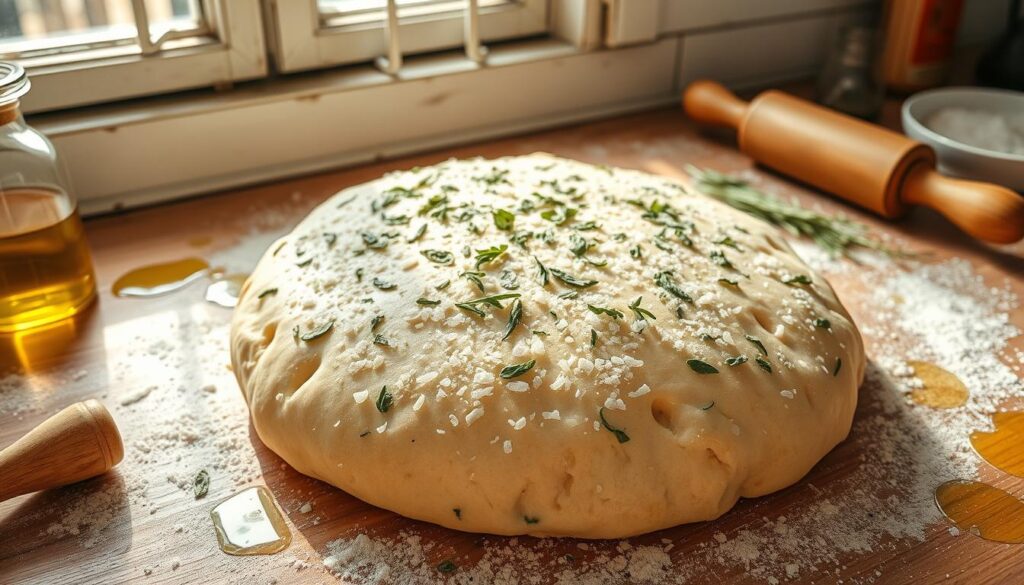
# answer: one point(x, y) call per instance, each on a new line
point(439, 256)
point(593, 338)
point(586, 226)
point(266, 293)
point(578, 245)
point(636, 252)
point(765, 364)
point(509, 280)
point(569, 294)
point(443, 285)
point(559, 215)
point(488, 255)
point(619, 433)
point(381, 340)
point(729, 281)
point(514, 316)
point(304, 263)
point(514, 370)
point(666, 281)
point(493, 301)
point(394, 219)
point(419, 233)
point(427, 302)
point(317, 331)
point(363, 434)
point(475, 277)
point(663, 244)
point(437, 207)
point(330, 238)
point(383, 284)
point(641, 313)
point(530, 519)
point(708, 406)
point(384, 400)
point(758, 344)
point(718, 257)
point(735, 361)
point(701, 367)
point(571, 280)
point(458, 513)
point(539, 332)
point(359, 274)
point(798, 279)
point(503, 220)
point(201, 484)
point(839, 366)
point(542, 272)
point(727, 241)
point(374, 241)
point(447, 567)
point(375, 322)
point(614, 314)
point(823, 323)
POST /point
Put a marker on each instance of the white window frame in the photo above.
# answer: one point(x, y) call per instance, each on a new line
point(299, 41)
point(233, 50)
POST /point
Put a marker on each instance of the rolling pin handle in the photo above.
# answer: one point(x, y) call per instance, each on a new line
point(77, 443)
point(987, 212)
point(710, 102)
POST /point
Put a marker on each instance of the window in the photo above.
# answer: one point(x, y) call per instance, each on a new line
point(320, 33)
point(114, 49)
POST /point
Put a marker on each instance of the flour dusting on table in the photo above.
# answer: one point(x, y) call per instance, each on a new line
point(179, 412)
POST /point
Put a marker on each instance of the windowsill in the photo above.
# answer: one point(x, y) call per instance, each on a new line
point(165, 148)
point(302, 86)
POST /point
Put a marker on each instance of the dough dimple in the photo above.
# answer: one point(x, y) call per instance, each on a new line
point(532, 345)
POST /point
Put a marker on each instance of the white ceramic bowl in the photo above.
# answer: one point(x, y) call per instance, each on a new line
point(956, 158)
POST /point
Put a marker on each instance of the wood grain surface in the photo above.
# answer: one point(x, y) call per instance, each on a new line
point(97, 356)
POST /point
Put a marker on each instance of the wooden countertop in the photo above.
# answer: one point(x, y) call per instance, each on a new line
point(174, 347)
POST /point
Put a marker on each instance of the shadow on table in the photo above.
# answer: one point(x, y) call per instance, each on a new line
point(88, 525)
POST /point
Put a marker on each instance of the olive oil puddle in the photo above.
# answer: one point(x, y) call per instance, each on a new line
point(983, 510)
point(941, 389)
point(250, 523)
point(160, 279)
point(1004, 446)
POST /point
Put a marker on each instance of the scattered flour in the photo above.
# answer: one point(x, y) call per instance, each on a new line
point(179, 423)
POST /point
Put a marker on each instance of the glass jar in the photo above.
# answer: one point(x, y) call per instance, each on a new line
point(848, 81)
point(45, 268)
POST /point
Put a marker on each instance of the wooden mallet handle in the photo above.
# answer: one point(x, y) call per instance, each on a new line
point(77, 443)
point(876, 168)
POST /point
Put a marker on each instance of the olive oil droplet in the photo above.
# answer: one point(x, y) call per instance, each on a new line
point(941, 389)
point(981, 509)
point(158, 279)
point(250, 523)
point(1003, 447)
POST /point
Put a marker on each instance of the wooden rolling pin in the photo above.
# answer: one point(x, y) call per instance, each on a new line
point(878, 169)
point(77, 443)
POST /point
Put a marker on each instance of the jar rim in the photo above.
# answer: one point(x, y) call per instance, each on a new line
point(14, 82)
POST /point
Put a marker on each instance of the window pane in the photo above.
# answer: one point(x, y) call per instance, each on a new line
point(40, 25)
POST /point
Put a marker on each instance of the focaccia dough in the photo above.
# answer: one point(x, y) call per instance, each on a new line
point(704, 363)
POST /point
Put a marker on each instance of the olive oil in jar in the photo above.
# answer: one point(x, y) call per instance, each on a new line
point(45, 269)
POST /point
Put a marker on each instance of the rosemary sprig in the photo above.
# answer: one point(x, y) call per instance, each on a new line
point(837, 235)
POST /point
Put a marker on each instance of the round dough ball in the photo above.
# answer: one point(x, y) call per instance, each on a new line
point(532, 345)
